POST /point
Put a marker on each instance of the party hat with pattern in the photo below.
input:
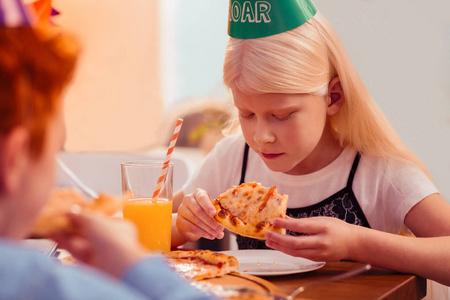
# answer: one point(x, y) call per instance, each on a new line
point(250, 19)
point(43, 11)
point(14, 13)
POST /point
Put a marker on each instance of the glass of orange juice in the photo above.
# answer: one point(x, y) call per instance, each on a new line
point(152, 216)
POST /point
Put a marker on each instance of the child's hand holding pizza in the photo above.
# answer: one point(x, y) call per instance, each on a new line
point(327, 239)
point(196, 217)
point(110, 244)
point(248, 209)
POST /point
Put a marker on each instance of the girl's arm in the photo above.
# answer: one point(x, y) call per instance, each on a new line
point(331, 239)
point(427, 257)
point(430, 217)
point(177, 239)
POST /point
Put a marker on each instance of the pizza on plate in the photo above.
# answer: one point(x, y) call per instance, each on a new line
point(250, 209)
point(53, 217)
point(202, 264)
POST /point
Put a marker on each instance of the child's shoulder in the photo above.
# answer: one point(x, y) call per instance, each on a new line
point(388, 165)
point(10, 249)
point(27, 260)
point(393, 172)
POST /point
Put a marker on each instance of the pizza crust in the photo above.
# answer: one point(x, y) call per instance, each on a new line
point(202, 264)
point(53, 217)
point(250, 209)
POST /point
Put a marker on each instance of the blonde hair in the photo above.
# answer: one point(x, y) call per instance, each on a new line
point(304, 60)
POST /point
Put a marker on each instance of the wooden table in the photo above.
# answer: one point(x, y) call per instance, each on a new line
point(375, 284)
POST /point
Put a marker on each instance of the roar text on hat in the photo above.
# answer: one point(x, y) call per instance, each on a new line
point(250, 19)
point(248, 13)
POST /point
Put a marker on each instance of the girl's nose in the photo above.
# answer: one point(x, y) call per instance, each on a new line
point(263, 133)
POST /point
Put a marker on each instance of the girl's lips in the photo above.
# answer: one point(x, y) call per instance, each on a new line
point(271, 155)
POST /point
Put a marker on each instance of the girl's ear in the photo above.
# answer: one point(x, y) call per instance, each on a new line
point(14, 157)
point(335, 97)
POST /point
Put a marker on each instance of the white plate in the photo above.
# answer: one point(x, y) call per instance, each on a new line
point(272, 263)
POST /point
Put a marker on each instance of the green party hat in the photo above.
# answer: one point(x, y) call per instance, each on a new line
point(251, 19)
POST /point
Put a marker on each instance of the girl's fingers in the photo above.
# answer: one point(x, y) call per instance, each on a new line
point(193, 217)
point(204, 201)
point(199, 212)
point(199, 222)
point(327, 238)
point(305, 253)
point(305, 225)
point(191, 229)
point(290, 241)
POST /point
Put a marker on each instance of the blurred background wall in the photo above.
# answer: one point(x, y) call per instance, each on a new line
point(144, 59)
point(402, 51)
point(114, 103)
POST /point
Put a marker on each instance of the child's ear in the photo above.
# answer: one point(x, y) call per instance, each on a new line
point(14, 157)
point(335, 97)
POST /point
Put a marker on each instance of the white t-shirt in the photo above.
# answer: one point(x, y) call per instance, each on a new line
point(385, 190)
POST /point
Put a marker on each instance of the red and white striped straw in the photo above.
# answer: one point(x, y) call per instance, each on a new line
point(173, 141)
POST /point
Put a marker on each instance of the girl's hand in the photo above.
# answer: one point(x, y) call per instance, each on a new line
point(329, 239)
point(110, 244)
point(196, 217)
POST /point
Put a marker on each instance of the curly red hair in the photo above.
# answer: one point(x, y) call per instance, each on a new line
point(36, 64)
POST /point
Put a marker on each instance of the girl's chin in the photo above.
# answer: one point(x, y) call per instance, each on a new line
point(277, 167)
point(282, 168)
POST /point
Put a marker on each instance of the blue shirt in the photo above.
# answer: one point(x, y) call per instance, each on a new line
point(27, 274)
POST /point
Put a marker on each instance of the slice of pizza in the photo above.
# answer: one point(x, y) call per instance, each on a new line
point(250, 209)
point(202, 264)
point(53, 217)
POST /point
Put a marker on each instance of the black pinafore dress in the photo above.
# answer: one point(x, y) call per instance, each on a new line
point(342, 205)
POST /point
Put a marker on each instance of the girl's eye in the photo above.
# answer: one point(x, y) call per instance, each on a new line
point(246, 116)
point(283, 118)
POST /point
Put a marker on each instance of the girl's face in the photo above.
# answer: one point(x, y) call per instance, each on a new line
point(289, 132)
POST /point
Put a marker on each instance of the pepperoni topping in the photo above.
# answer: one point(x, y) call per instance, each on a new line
point(266, 197)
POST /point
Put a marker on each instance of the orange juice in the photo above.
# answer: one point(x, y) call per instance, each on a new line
point(153, 218)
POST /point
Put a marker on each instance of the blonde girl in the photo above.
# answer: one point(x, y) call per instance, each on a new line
point(314, 131)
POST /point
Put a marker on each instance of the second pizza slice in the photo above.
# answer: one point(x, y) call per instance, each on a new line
point(250, 209)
